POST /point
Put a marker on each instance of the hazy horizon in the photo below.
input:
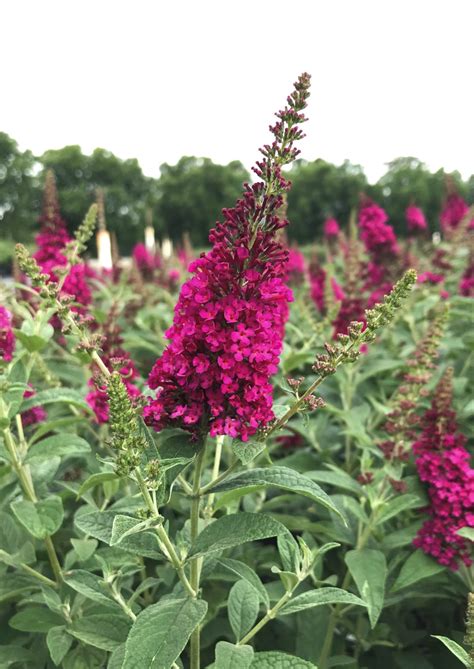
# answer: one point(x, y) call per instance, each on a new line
point(159, 82)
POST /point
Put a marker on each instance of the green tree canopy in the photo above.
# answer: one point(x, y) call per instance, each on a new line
point(320, 190)
point(127, 190)
point(192, 194)
point(407, 181)
point(18, 191)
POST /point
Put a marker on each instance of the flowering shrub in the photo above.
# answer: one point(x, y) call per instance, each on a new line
point(270, 469)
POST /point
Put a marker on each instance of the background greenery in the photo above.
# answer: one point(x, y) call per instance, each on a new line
point(189, 196)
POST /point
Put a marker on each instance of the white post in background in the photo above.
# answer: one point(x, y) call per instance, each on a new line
point(166, 248)
point(149, 231)
point(104, 246)
point(104, 249)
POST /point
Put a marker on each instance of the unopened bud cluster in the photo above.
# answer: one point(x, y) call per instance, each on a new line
point(125, 437)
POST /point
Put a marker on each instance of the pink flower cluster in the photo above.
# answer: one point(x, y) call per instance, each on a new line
point(466, 286)
point(296, 266)
point(331, 229)
point(318, 278)
point(229, 320)
point(442, 462)
point(50, 256)
point(454, 210)
point(33, 415)
point(114, 357)
point(7, 338)
point(416, 219)
point(378, 237)
point(146, 261)
point(7, 347)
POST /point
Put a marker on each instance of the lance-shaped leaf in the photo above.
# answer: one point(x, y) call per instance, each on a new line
point(242, 608)
point(107, 632)
point(229, 656)
point(368, 568)
point(321, 597)
point(161, 632)
point(279, 477)
point(235, 530)
point(99, 524)
point(60, 444)
point(55, 395)
point(41, 519)
point(275, 660)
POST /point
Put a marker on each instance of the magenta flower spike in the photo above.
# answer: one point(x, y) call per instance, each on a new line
point(228, 326)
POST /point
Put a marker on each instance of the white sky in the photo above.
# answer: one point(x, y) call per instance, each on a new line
point(156, 79)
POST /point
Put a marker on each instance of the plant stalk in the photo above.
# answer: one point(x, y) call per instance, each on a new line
point(195, 642)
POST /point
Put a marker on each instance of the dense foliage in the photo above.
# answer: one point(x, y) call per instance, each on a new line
point(254, 458)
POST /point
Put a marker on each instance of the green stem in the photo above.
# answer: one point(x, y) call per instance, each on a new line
point(326, 649)
point(41, 577)
point(270, 615)
point(170, 550)
point(195, 650)
point(205, 489)
point(208, 511)
point(26, 483)
point(122, 603)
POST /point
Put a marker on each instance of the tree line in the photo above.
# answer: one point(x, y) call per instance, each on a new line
point(188, 197)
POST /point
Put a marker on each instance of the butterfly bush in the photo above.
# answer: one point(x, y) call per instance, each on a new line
point(51, 245)
point(115, 357)
point(7, 348)
point(331, 229)
point(7, 338)
point(416, 220)
point(296, 266)
point(379, 238)
point(229, 320)
point(454, 210)
point(442, 462)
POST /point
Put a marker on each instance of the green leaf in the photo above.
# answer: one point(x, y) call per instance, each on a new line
point(31, 340)
point(160, 633)
point(229, 656)
point(280, 477)
point(99, 524)
point(466, 533)
point(107, 632)
point(457, 650)
point(15, 585)
point(289, 552)
point(116, 659)
point(368, 568)
point(234, 530)
point(242, 608)
point(84, 548)
point(125, 526)
point(35, 619)
point(53, 395)
point(417, 567)
point(91, 586)
point(58, 642)
point(275, 660)
point(64, 444)
point(95, 480)
point(397, 505)
point(247, 574)
point(339, 479)
point(247, 451)
point(13, 654)
point(41, 519)
point(12, 535)
point(320, 597)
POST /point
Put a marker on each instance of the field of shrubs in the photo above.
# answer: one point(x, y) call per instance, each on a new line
point(255, 457)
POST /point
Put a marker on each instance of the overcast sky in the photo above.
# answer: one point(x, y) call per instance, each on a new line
point(156, 80)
